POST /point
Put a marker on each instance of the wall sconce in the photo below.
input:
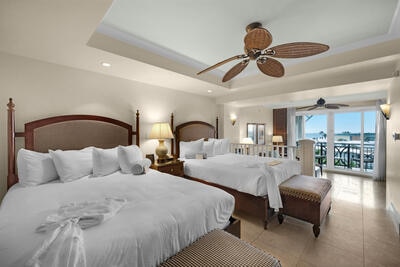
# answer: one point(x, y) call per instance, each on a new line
point(385, 108)
point(233, 119)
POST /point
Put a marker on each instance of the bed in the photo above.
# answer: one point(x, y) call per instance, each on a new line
point(160, 214)
point(239, 175)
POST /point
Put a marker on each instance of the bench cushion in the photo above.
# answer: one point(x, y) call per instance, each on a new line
point(219, 248)
point(306, 187)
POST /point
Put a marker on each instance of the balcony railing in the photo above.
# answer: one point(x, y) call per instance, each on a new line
point(274, 151)
point(347, 155)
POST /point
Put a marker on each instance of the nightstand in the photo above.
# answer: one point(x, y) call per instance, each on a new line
point(174, 167)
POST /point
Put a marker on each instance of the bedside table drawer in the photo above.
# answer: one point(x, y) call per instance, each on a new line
point(174, 168)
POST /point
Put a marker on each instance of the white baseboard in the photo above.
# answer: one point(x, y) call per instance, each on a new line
point(395, 217)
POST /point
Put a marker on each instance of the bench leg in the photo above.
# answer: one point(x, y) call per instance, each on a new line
point(316, 230)
point(265, 224)
point(280, 218)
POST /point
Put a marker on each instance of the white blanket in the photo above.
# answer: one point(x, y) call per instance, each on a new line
point(163, 214)
point(249, 174)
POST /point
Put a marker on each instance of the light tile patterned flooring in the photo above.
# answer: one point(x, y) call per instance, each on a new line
point(357, 232)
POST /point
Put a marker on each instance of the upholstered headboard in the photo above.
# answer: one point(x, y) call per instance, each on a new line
point(193, 130)
point(67, 132)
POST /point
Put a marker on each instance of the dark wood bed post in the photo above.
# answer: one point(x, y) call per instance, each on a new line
point(216, 127)
point(11, 144)
point(173, 132)
point(137, 130)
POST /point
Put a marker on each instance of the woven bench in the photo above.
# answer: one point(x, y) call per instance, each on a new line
point(219, 248)
point(306, 198)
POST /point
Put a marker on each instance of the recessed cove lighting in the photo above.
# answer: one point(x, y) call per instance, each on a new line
point(106, 64)
point(209, 91)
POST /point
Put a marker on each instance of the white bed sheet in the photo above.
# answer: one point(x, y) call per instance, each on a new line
point(243, 172)
point(163, 215)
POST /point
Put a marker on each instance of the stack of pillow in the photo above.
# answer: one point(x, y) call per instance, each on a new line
point(36, 168)
point(203, 149)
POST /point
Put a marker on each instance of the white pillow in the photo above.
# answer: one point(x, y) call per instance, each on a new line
point(35, 168)
point(127, 156)
point(221, 146)
point(193, 147)
point(105, 161)
point(72, 164)
point(209, 148)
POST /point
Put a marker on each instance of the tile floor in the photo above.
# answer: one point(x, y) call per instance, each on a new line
point(357, 232)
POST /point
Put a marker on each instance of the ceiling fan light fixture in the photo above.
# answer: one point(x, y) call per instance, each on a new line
point(256, 43)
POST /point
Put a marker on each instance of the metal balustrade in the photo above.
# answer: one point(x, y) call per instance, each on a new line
point(347, 155)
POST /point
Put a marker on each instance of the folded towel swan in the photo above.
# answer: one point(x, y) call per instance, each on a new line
point(65, 245)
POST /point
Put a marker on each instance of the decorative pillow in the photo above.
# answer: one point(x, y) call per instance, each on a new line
point(35, 168)
point(221, 146)
point(192, 147)
point(141, 167)
point(209, 148)
point(105, 161)
point(127, 156)
point(72, 164)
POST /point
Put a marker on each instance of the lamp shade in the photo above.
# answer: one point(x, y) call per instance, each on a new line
point(277, 139)
point(161, 130)
point(247, 140)
point(385, 108)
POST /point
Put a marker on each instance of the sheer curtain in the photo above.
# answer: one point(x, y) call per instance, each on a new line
point(380, 145)
point(291, 130)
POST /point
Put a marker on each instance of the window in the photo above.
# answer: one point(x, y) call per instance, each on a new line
point(344, 139)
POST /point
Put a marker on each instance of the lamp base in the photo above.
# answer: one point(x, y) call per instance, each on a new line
point(161, 151)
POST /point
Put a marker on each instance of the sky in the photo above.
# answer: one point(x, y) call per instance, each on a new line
point(343, 122)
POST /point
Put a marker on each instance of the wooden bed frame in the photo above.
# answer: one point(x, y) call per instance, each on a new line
point(67, 132)
point(257, 206)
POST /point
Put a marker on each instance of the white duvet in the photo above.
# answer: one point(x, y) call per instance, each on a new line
point(163, 214)
point(244, 173)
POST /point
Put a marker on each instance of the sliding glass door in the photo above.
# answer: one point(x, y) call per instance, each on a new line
point(345, 140)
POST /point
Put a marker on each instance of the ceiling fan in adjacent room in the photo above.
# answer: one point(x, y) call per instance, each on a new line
point(256, 44)
point(321, 103)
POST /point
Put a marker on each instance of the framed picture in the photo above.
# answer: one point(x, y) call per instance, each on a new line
point(261, 134)
point(256, 131)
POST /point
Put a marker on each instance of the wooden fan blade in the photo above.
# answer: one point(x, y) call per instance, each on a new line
point(306, 107)
point(258, 38)
point(296, 50)
point(314, 107)
point(222, 63)
point(235, 70)
point(331, 106)
point(271, 67)
point(339, 105)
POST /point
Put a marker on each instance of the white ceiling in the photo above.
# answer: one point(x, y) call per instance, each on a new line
point(165, 43)
point(202, 33)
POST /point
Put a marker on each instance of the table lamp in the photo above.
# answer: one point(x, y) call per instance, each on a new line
point(277, 139)
point(161, 131)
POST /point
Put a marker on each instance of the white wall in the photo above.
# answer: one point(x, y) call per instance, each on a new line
point(393, 148)
point(41, 89)
point(256, 115)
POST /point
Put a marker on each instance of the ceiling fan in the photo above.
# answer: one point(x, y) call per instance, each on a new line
point(322, 104)
point(256, 44)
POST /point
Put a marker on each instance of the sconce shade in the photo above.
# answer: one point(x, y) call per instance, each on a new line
point(247, 141)
point(385, 108)
point(233, 119)
point(161, 131)
point(277, 139)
